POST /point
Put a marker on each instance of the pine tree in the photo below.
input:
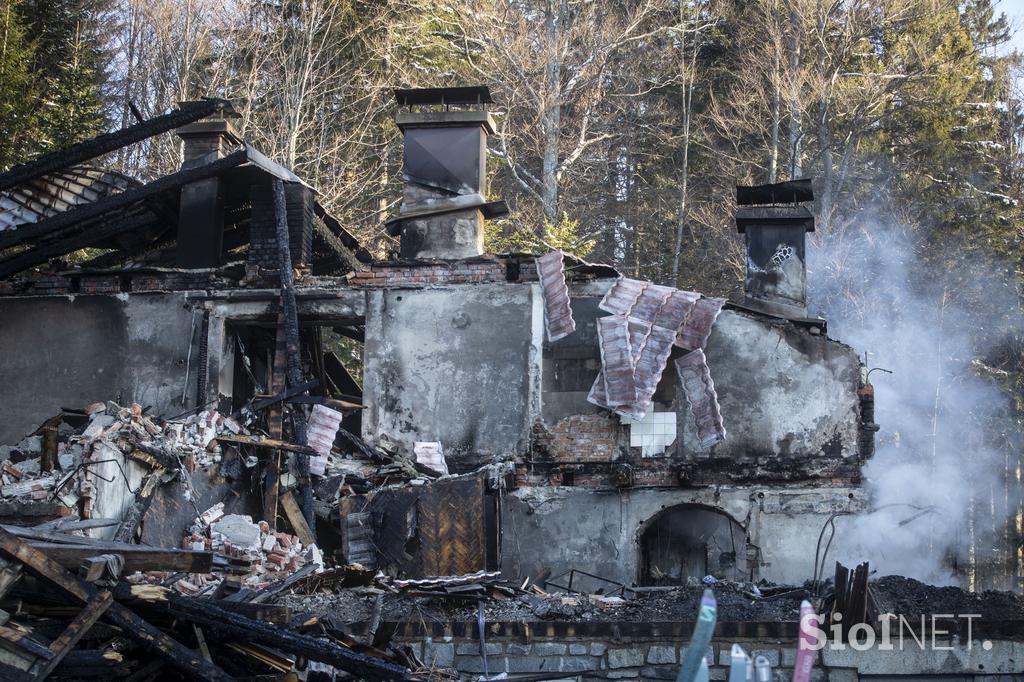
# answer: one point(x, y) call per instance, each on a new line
point(17, 121)
point(69, 70)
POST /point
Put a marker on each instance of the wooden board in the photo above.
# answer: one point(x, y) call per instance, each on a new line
point(435, 529)
point(291, 510)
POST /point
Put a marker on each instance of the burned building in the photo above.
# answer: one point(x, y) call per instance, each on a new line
point(545, 417)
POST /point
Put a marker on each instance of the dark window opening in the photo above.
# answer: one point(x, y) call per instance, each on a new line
point(332, 353)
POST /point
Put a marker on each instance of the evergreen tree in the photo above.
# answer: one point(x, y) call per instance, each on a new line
point(17, 122)
point(68, 69)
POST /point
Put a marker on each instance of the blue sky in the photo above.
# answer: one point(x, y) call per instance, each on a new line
point(1015, 11)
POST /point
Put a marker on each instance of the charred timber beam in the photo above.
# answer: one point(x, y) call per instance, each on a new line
point(134, 627)
point(268, 443)
point(263, 403)
point(340, 252)
point(339, 405)
point(342, 234)
point(136, 557)
point(44, 252)
point(101, 144)
point(290, 309)
point(76, 216)
point(94, 609)
point(282, 639)
point(275, 425)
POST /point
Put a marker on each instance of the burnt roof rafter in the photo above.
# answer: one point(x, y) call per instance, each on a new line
point(187, 112)
point(73, 217)
point(42, 253)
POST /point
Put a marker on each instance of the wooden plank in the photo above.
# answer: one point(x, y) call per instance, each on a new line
point(263, 403)
point(85, 619)
point(333, 403)
point(136, 557)
point(275, 424)
point(264, 442)
point(134, 627)
point(201, 641)
point(241, 629)
point(291, 509)
point(20, 640)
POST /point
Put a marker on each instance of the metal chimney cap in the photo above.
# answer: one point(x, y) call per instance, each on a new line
point(777, 216)
point(790, 192)
point(460, 96)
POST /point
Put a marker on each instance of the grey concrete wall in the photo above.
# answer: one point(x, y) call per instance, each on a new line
point(784, 392)
point(560, 528)
point(459, 365)
point(69, 351)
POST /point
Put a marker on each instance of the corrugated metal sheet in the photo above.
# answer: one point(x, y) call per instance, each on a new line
point(558, 320)
point(697, 328)
point(674, 311)
point(650, 364)
point(655, 317)
point(320, 433)
point(431, 454)
point(622, 296)
point(55, 193)
point(616, 360)
point(650, 301)
point(699, 389)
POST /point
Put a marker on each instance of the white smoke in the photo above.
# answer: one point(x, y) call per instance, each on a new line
point(939, 459)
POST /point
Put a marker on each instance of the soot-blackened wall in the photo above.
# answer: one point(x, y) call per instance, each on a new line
point(69, 351)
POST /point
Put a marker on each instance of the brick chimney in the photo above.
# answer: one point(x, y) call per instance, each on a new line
point(445, 172)
point(775, 226)
point(201, 207)
point(206, 136)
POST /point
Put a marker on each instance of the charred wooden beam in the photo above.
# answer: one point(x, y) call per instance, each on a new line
point(344, 235)
point(132, 518)
point(295, 517)
point(339, 405)
point(60, 647)
point(275, 425)
point(341, 255)
point(136, 557)
point(134, 627)
point(290, 311)
point(282, 639)
point(263, 403)
point(265, 442)
point(44, 252)
point(76, 216)
point(187, 112)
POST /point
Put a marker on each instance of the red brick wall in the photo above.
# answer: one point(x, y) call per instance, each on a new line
point(579, 438)
point(447, 273)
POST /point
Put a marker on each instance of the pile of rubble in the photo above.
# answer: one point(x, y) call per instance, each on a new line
point(76, 497)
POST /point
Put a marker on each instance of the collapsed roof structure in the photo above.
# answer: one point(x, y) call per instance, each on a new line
point(444, 463)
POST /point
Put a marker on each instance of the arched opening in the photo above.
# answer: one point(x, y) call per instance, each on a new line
point(692, 541)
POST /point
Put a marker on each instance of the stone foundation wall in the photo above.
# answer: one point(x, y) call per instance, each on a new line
point(587, 660)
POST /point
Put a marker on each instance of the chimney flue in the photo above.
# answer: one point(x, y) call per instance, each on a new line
point(775, 227)
point(201, 206)
point(208, 136)
point(445, 173)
